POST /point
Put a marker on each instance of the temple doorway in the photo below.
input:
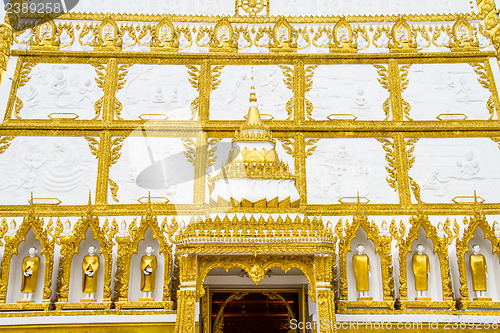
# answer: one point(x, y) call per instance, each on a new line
point(255, 310)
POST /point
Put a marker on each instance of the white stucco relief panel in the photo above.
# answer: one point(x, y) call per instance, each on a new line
point(156, 165)
point(343, 167)
point(59, 88)
point(446, 168)
point(50, 167)
point(157, 92)
point(370, 7)
point(230, 99)
point(343, 90)
point(436, 89)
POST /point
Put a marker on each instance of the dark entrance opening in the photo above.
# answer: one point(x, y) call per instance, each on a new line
point(254, 311)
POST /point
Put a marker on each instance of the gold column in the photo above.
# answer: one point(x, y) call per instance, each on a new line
point(5, 44)
point(200, 168)
point(205, 87)
point(110, 85)
point(298, 92)
point(104, 155)
point(300, 166)
point(325, 294)
point(186, 295)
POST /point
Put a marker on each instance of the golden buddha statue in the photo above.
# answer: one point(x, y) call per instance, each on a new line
point(479, 271)
point(90, 265)
point(30, 267)
point(421, 270)
point(148, 268)
point(361, 267)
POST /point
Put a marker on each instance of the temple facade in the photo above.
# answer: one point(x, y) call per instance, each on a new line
point(250, 166)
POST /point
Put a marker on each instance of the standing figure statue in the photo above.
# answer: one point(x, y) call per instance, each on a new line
point(90, 265)
point(479, 271)
point(421, 270)
point(30, 267)
point(148, 269)
point(361, 267)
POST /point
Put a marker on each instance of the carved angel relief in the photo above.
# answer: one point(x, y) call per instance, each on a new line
point(165, 37)
point(402, 38)
point(463, 37)
point(222, 38)
point(45, 35)
point(283, 37)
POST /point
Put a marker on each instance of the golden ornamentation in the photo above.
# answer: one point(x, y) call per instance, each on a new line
point(384, 81)
point(36, 224)
point(24, 77)
point(388, 147)
point(402, 37)
point(283, 37)
point(6, 40)
point(107, 37)
point(440, 247)
point(251, 7)
point(256, 268)
point(410, 149)
point(478, 220)
point(288, 79)
point(100, 71)
point(222, 37)
point(382, 247)
point(45, 36)
point(164, 37)
point(127, 246)
point(116, 146)
point(309, 73)
point(463, 36)
point(486, 82)
point(342, 39)
point(219, 318)
point(403, 71)
point(70, 246)
point(194, 79)
point(5, 143)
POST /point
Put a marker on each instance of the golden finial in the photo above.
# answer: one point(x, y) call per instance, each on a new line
point(253, 117)
point(89, 206)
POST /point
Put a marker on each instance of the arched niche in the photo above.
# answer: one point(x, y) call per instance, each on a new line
point(440, 247)
point(130, 251)
point(16, 275)
point(375, 282)
point(31, 229)
point(479, 232)
point(492, 265)
point(76, 278)
point(256, 268)
point(434, 284)
point(378, 248)
point(74, 248)
point(134, 290)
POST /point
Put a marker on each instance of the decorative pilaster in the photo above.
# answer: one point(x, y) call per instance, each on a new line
point(325, 294)
point(186, 295)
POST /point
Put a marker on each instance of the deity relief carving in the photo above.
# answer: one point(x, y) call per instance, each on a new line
point(165, 37)
point(222, 38)
point(283, 37)
point(45, 36)
point(402, 38)
point(343, 39)
point(463, 36)
point(108, 36)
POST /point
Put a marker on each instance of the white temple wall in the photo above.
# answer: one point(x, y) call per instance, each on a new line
point(49, 167)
